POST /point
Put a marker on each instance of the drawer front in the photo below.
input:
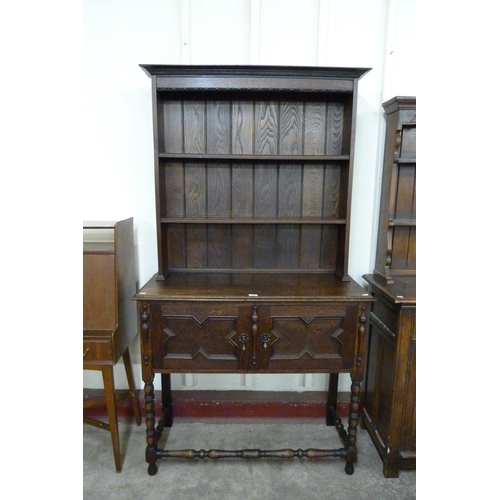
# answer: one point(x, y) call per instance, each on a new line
point(98, 351)
point(232, 337)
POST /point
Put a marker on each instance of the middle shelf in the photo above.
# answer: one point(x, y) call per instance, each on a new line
point(253, 157)
point(251, 220)
point(257, 192)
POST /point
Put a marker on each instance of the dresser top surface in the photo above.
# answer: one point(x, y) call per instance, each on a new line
point(253, 287)
point(402, 291)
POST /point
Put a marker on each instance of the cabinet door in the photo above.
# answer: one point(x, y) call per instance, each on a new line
point(231, 337)
point(313, 338)
point(196, 336)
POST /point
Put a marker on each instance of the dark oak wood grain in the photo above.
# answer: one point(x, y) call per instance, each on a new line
point(252, 214)
point(396, 241)
point(389, 400)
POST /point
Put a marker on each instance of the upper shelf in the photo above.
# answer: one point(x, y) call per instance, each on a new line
point(405, 161)
point(255, 220)
point(252, 157)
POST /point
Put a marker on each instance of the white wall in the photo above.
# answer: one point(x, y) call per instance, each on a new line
point(118, 155)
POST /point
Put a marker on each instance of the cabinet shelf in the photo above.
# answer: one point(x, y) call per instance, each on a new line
point(254, 158)
point(255, 177)
point(401, 222)
point(406, 161)
point(250, 220)
point(397, 233)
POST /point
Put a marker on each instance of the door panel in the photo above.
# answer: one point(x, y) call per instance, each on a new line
point(231, 337)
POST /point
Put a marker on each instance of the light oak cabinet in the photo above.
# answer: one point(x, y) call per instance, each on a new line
point(109, 316)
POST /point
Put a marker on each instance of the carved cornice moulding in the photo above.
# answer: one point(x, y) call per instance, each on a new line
point(255, 78)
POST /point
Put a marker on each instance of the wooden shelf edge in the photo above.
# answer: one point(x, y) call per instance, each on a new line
point(254, 158)
point(241, 220)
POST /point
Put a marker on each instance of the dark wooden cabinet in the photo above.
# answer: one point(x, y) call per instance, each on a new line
point(397, 232)
point(109, 318)
point(389, 398)
point(253, 171)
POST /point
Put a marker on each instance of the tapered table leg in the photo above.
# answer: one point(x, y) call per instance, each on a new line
point(109, 393)
point(133, 393)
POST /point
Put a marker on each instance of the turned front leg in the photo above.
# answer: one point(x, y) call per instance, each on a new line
point(356, 377)
point(151, 437)
point(149, 390)
point(352, 430)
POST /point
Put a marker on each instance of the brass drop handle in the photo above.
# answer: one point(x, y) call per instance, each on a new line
point(243, 339)
point(265, 338)
point(84, 354)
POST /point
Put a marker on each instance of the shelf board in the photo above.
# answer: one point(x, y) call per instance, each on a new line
point(251, 220)
point(401, 222)
point(254, 158)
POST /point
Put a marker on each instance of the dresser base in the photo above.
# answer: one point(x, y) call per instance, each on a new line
point(348, 438)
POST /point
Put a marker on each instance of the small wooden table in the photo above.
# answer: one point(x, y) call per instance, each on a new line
point(109, 321)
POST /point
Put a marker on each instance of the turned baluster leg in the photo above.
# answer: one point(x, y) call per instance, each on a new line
point(149, 390)
point(151, 438)
point(356, 377)
point(352, 430)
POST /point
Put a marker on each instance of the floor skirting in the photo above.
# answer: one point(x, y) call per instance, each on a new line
point(232, 404)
